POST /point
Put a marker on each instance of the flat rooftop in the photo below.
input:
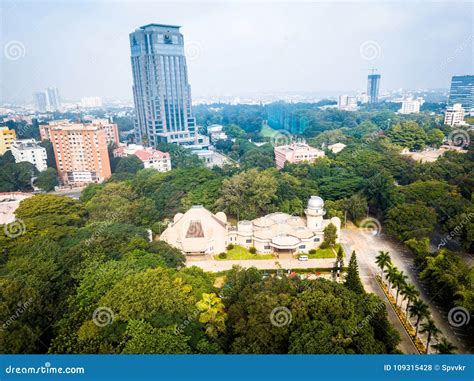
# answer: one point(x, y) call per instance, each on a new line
point(159, 26)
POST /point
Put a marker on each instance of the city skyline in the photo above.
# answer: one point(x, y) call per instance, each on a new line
point(93, 58)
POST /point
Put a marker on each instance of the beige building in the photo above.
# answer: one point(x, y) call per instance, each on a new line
point(296, 153)
point(111, 129)
point(198, 231)
point(7, 137)
point(81, 153)
point(454, 116)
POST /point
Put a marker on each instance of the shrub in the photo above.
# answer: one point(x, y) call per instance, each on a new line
point(252, 250)
point(324, 245)
point(312, 251)
point(230, 246)
point(222, 255)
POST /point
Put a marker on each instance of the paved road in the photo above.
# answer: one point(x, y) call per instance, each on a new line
point(261, 264)
point(367, 247)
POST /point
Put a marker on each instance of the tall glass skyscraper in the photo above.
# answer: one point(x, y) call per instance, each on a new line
point(161, 90)
point(373, 86)
point(462, 91)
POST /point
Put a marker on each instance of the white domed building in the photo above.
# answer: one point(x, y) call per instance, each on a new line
point(198, 231)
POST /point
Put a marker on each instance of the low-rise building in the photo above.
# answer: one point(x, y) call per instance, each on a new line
point(347, 103)
point(212, 158)
point(151, 158)
point(30, 151)
point(215, 132)
point(198, 231)
point(296, 153)
point(454, 115)
point(411, 106)
point(7, 137)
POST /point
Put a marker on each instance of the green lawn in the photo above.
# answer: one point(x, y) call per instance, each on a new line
point(239, 252)
point(267, 131)
point(325, 253)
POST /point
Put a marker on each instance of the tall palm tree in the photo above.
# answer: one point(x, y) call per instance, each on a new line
point(421, 310)
point(383, 260)
point(399, 282)
point(444, 347)
point(391, 274)
point(431, 329)
point(410, 293)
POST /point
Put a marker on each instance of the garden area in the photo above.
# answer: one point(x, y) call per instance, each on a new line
point(326, 252)
point(235, 252)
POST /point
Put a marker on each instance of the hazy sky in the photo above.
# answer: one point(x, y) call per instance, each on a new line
point(236, 47)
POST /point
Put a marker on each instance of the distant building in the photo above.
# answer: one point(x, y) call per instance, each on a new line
point(53, 99)
point(347, 103)
point(336, 147)
point(161, 90)
point(454, 115)
point(80, 151)
point(462, 91)
point(363, 98)
point(41, 99)
point(411, 106)
point(373, 87)
point(30, 151)
point(7, 137)
point(215, 132)
point(150, 157)
point(295, 153)
point(199, 232)
point(91, 102)
point(212, 158)
point(48, 100)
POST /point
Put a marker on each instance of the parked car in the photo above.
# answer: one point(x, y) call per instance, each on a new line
point(303, 258)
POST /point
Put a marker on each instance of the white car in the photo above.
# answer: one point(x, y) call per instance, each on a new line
point(303, 258)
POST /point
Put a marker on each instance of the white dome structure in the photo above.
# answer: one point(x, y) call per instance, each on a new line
point(315, 202)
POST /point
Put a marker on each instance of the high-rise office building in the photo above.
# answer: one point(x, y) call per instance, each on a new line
point(41, 99)
point(462, 91)
point(373, 87)
point(53, 98)
point(161, 90)
point(48, 100)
